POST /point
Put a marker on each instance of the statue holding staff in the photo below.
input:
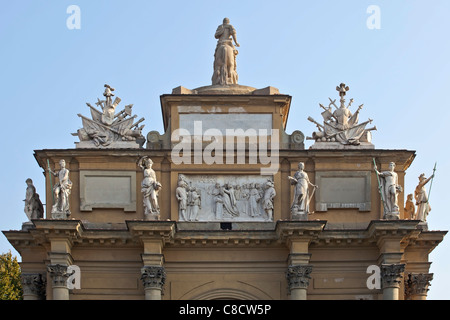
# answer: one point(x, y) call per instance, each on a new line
point(61, 192)
point(420, 194)
point(389, 189)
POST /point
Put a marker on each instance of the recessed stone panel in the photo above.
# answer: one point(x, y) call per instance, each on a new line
point(107, 189)
point(342, 190)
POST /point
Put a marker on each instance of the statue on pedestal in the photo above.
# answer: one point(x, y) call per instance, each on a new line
point(420, 194)
point(61, 192)
point(33, 205)
point(302, 197)
point(389, 190)
point(225, 55)
point(150, 189)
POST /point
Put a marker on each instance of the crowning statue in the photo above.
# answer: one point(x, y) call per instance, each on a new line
point(225, 55)
point(341, 125)
point(108, 129)
point(389, 190)
point(33, 205)
point(61, 192)
point(302, 197)
point(150, 189)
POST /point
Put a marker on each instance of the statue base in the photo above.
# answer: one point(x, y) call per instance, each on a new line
point(151, 216)
point(392, 216)
point(132, 144)
point(58, 215)
point(299, 215)
point(339, 146)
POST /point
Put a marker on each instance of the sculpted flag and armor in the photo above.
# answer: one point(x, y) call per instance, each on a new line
point(108, 129)
point(341, 125)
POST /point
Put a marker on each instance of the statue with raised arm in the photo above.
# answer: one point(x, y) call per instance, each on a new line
point(61, 192)
point(421, 196)
point(225, 55)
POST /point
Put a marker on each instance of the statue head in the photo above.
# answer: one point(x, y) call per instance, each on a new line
point(29, 181)
point(392, 166)
point(422, 177)
point(301, 165)
point(226, 21)
point(62, 163)
point(148, 163)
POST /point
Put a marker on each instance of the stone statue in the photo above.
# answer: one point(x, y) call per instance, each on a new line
point(217, 193)
point(150, 189)
point(225, 55)
point(269, 194)
point(341, 125)
point(410, 208)
point(108, 129)
point(389, 189)
point(61, 192)
point(181, 195)
point(33, 205)
point(229, 200)
point(302, 197)
point(194, 203)
point(420, 194)
point(253, 199)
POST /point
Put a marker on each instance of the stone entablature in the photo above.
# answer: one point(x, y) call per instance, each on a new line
point(158, 241)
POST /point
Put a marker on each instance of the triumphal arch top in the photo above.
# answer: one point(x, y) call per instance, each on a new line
point(225, 203)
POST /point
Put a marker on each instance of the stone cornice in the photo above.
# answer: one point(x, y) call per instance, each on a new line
point(283, 232)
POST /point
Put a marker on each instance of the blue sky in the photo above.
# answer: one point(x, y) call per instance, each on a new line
point(304, 48)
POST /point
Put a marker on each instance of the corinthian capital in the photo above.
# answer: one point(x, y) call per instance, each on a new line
point(298, 276)
point(59, 274)
point(391, 275)
point(33, 284)
point(417, 284)
point(153, 277)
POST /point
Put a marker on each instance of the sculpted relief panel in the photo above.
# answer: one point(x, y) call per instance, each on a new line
point(225, 198)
